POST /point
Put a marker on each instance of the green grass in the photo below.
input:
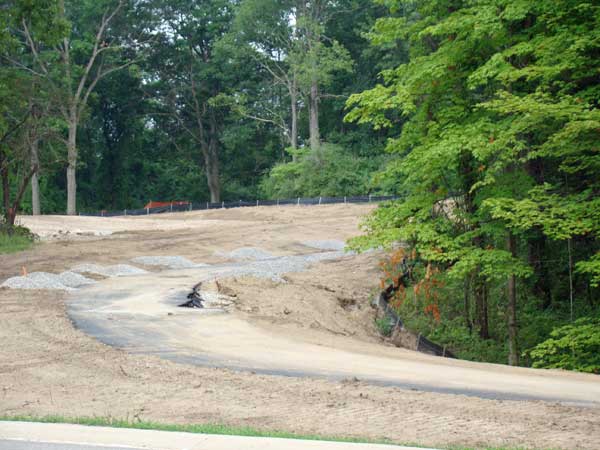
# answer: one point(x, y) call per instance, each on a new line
point(212, 429)
point(14, 243)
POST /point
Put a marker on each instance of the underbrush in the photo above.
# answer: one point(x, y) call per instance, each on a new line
point(15, 239)
point(547, 338)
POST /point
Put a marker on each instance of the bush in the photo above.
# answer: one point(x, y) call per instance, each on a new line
point(384, 326)
point(572, 347)
point(332, 172)
point(14, 238)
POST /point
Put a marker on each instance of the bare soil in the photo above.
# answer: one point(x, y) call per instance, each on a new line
point(49, 367)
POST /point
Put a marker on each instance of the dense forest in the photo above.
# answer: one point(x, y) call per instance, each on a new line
point(482, 115)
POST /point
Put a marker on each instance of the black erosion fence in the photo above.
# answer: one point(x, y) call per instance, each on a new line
point(422, 344)
point(200, 206)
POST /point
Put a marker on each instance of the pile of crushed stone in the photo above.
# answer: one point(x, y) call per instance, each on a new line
point(329, 244)
point(172, 262)
point(272, 268)
point(117, 270)
point(65, 281)
point(247, 254)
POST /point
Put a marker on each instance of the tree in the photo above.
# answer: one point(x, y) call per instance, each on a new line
point(498, 114)
point(83, 59)
point(288, 40)
point(20, 122)
point(193, 69)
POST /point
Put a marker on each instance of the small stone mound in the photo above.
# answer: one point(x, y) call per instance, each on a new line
point(329, 244)
point(117, 270)
point(172, 262)
point(74, 280)
point(66, 281)
point(248, 254)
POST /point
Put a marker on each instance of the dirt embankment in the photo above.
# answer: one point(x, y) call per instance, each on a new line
point(48, 367)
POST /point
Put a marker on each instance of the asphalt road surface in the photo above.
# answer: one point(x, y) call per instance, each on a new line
point(125, 313)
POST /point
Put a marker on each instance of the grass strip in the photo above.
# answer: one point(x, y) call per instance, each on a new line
point(14, 243)
point(217, 429)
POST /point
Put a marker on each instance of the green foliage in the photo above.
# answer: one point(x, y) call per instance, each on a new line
point(496, 118)
point(330, 172)
point(14, 239)
point(572, 347)
point(384, 326)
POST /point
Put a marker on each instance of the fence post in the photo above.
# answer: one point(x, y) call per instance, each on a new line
point(223, 204)
point(320, 200)
point(191, 203)
point(298, 201)
point(207, 205)
point(418, 342)
point(125, 212)
point(171, 207)
point(147, 211)
point(344, 199)
point(369, 198)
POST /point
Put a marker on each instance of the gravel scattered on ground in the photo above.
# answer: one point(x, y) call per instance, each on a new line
point(273, 267)
point(247, 254)
point(172, 262)
point(328, 244)
point(117, 270)
point(65, 281)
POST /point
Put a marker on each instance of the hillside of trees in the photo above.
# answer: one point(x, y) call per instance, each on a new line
point(483, 115)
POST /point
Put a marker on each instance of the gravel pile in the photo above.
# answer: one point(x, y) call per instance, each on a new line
point(273, 267)
point(66, 281)
point(118, 270)
point(172, 262)
point(247, 254)
point(74, 280)
point(330, 244)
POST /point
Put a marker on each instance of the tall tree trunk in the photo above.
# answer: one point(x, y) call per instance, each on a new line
point(211, 159)
point(72, 166)
point(513, 351)
point(481, 309)
point(315, 139)
point(541, 288)
point(294, 108)
point(9, 217)
point(467, 303)
point(35, 183)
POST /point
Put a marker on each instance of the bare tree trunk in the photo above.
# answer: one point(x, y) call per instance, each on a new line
point(513, 351)
point(481, 309)
point(35, 183)
point(72, 167)
point(211, 158)
point(315, 139)
point(8, 216)
point(211, 162)
point(467, 303)
point(294, 107)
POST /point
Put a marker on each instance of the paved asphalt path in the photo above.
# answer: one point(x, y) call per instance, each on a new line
point(125, 312)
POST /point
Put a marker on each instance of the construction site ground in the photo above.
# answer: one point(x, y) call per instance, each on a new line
point(49, 367)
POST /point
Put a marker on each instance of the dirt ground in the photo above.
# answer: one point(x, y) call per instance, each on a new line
point(49, 367)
